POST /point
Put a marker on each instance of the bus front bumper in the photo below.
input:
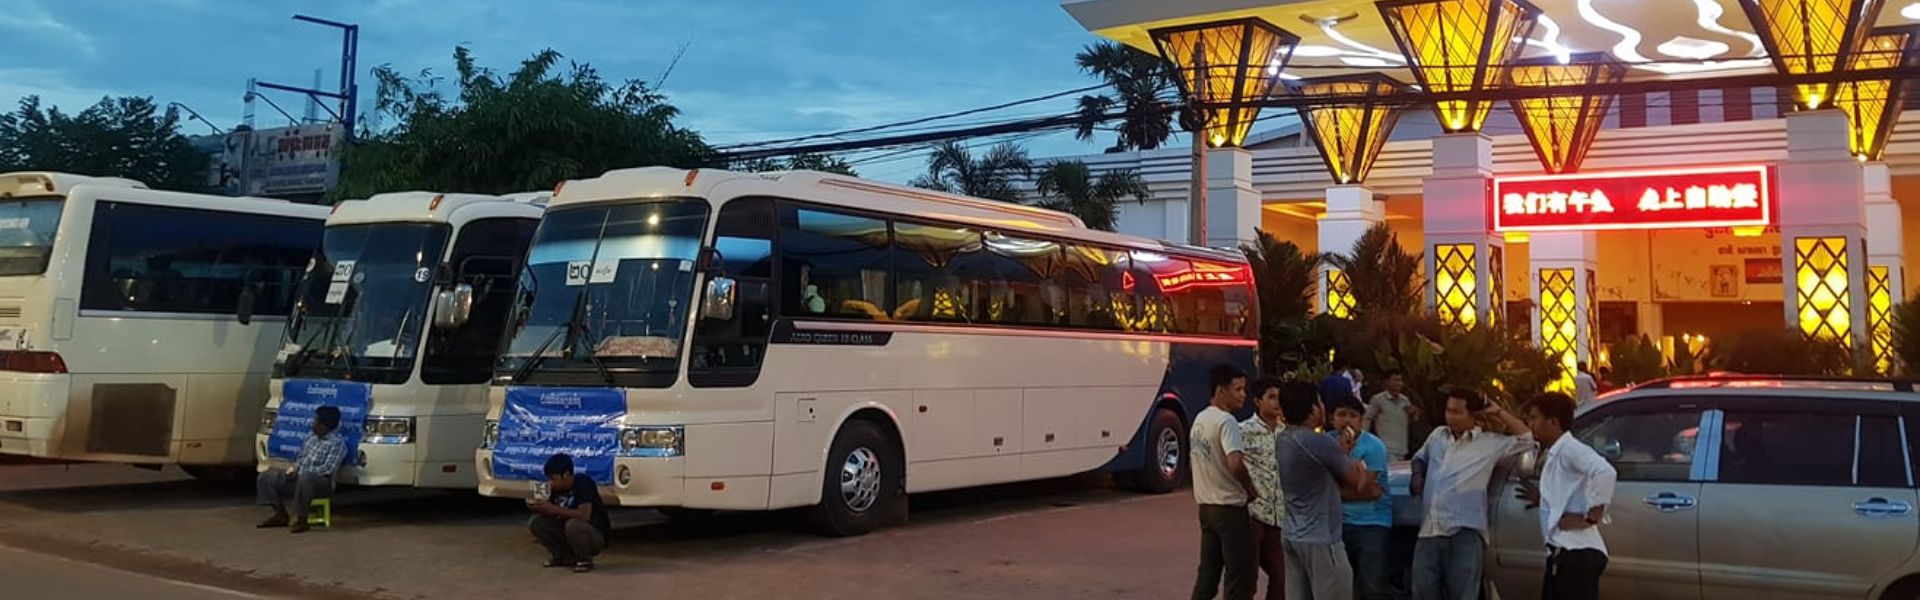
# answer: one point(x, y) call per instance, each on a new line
point(434, 459)
point(637, 482)
point(33, 408)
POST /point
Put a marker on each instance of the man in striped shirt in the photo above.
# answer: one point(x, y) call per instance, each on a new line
point(1451, 474)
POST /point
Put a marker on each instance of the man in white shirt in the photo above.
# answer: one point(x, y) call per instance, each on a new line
point(1390, 415)
point(1576, 485)
point(1450, 475)
point(1585, 387)
point(1222, 487)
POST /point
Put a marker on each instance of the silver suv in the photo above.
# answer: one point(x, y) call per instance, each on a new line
point(1744, 487)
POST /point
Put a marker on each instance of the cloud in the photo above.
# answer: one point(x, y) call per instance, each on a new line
point(34, 21)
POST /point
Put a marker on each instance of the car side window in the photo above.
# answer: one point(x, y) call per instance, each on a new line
point(1646, 445)
point(1811, 449)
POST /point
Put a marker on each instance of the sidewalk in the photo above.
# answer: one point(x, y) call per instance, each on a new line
point(1048, 540)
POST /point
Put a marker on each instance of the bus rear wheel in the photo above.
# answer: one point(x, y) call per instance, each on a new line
point(1166, 466)
point(861, 483)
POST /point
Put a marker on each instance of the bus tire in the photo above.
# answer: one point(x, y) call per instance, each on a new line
point(861, 482)
point(1166, 466)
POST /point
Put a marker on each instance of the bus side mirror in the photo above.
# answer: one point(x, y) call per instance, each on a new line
point(718, 304)
point(452, 308)
point(243, 309)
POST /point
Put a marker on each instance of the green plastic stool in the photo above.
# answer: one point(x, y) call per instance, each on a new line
point(320, 512)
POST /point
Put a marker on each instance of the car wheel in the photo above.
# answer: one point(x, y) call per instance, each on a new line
point(861, 483)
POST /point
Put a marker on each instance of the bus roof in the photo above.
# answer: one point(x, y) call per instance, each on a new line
point(46, 183)
point(861, 194)
point(429, 207)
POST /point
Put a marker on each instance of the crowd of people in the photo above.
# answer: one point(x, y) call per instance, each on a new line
point(1298, 490)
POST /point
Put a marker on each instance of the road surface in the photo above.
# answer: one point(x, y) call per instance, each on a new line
point(30, 575)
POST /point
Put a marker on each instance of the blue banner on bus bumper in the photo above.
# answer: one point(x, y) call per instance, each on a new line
point(537, 423)
point(299, 398)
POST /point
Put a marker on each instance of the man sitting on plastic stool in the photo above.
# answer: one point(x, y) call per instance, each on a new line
point(311, 476)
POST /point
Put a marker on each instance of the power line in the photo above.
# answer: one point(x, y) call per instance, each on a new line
point(920, 120)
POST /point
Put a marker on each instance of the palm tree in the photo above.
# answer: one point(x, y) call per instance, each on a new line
point(952, 168)
point(1286, 280)
point(1069, 186)
point(1385, 277)
point(1142, 82)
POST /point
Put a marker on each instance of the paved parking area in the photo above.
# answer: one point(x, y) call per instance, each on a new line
point(1074, 538)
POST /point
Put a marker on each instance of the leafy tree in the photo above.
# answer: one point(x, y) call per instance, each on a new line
point(1069, 186)
point(952, 168)
point(799, 162)
point(118, 137)
point(527, 130)
point(1142, 83)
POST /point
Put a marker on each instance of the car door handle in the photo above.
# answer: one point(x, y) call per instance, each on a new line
point(1882, 507)
point(1667, 502)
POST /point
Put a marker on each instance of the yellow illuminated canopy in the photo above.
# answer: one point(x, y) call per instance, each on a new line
point(1809, 37)
point(1873, 105)
point(1226, 68)
point(1562, 127)
point(1455, 46)
point(1348, 122)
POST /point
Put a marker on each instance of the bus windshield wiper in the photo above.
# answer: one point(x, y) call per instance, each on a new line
point(533, 360)
point(593, 354)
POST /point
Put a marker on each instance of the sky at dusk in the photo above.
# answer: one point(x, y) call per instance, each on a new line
point(752, 70)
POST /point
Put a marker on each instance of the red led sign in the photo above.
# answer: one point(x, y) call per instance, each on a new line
point(1653, 199)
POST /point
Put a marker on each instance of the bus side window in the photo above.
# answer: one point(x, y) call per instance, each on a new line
point(146, 258)
point(488, 254)
point(834, 265)
point(929, 286)
point(729, 353)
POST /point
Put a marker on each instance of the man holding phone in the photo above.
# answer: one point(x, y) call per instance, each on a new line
point(569, 520)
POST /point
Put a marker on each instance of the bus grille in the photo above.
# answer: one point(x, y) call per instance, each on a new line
point(131, 418)
point(10, 312)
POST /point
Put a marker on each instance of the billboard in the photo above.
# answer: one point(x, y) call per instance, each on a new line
point(288, 161)
point(1651, 199)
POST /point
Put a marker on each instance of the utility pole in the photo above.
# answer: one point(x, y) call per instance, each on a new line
point(1197, 199)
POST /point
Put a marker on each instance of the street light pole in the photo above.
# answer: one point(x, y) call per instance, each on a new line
point(1197, 203)
point(349, 63)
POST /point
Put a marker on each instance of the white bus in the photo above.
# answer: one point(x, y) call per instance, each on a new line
point(398, 322)
point(126, 318)
point(706, 340)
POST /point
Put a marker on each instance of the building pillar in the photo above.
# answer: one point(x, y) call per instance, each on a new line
point(1233, 205)
point(1351, 211)
point(1464, 258)
point(1886, 260)
point(1562, 271)
point(1823, 230)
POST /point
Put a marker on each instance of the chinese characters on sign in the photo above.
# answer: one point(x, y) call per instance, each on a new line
point(1706, 197)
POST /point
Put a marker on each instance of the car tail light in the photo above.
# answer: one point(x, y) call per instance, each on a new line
point(32, 362)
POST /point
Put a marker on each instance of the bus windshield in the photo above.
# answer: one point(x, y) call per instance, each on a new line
point(607, 293)
point(27, 228)
point(363, 304)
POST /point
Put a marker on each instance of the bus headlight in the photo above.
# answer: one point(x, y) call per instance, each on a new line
point(388, 430)
point(653, 441)
point(491, 435)
point(266, 420)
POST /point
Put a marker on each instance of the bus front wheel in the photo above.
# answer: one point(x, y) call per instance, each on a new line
point(1166, 466)
point(862, 481)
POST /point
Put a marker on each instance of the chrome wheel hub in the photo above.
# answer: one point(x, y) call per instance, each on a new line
point(1169, 453)
point(860, 479)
